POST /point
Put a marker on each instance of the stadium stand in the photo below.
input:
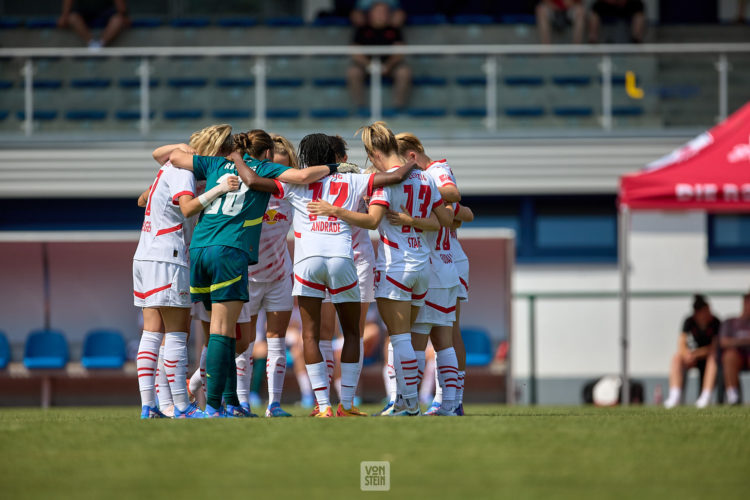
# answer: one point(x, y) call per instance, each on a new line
point(5, 354)
point(103, 349)
point(45, 350)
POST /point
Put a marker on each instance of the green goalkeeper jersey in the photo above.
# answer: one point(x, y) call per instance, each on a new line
point(234, 219)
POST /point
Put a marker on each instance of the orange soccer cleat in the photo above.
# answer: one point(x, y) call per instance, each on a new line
point(354, 412)
point(315, 411)
point(325, 412)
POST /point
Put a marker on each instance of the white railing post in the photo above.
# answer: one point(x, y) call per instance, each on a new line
point(144, 71)
point(606, 69)
point(260, 92)
point(491, 68)
point(28, 96)
point(722, 66)
point(376, 89)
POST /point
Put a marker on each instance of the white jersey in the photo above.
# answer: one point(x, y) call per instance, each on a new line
point(364, 253)
point(165, 232)
point(274, 262)
point(404, 248)
point(443, 176)
point(312, 233)
point(443, 273)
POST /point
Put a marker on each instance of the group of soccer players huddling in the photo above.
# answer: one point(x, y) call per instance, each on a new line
point(235, 262)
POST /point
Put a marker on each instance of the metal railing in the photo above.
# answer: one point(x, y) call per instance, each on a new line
point(491, 67)
point(533, 297)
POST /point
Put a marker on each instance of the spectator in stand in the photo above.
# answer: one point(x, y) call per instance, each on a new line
point(741, 9)
point(734, 340)
point(559, 14)
point(379, 31)
point(83, 15)
point(629, 10)
point(696, 348)
point(358, 16)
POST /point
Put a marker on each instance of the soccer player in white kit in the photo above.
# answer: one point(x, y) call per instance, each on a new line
point(323, 263)
point(402, 276)
point(161, 274)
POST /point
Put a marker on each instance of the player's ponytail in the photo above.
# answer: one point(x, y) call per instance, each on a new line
point(254, 143)
point(408, 142)
point(378, 137)
point(281, 145)
point(216, 140)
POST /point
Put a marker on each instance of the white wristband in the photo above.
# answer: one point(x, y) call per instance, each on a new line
point(204, 200)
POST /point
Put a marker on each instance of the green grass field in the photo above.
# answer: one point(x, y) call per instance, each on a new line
point(497, 451)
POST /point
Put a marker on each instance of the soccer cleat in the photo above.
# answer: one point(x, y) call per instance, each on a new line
point(325, 412)
point(238, 412)
point(433, 409)
point(387, 410)
point(354, 412)
point(460, 410)
point(192, 411)
point(400, 409)
point(168, 411)
point(246, 407)
point(444, 412)
point(275, 410)
point(211, 412)
point(151, 412)
point(315, 411)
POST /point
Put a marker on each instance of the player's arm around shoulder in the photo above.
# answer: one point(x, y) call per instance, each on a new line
point(251, 179)
point(398, 176)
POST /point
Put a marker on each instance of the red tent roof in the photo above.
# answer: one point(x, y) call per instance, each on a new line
point(711, 172)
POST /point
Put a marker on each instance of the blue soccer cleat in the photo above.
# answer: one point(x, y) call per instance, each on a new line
point(246, 407)
point(212, 412)
point(433, 409)
point(192, 411)
point(151, 412)
point(387, 410)
point(275, 410)
point(239, 412)
point(460, 410)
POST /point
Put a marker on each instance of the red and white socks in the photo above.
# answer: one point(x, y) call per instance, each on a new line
point(275, 368)
point(460, 390)
point(406, 366)
point(447, 367)
point(349, 379)
point(163, 393)
point(318, 374)
point(326, 349)
point(175, 367)
point(421, 361)
point(244, 364)
point(146, 362)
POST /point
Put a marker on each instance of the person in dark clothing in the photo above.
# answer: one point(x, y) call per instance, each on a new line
point(83, 15)
point(378, 31)
point(628, 10)
point(695, 348)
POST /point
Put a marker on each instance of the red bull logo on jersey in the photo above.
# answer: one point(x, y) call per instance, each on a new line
point(146, 228)
point(272, 217)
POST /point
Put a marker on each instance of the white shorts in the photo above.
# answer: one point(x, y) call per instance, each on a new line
point(270, 296)
point(366, 276)
point(463, 273)
point(405, 286)
point(439, 309)
point(337, 275)
point(160, 284)
point(199, 311)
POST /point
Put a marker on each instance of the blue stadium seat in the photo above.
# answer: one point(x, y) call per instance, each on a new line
point(426, 112)
point(86, 114)
point(427, 20)
point(131, 83)
point(524, 112)
point(45, 350)
point(471, 112)
point(232, 114)
point(473, 19)
point(573, 111)
point(285, 82)
point(9, 23)
point(39, 114)
point(326, 21)
point(529, 19)
point(190, 22)
point(571, 80)
point(90, 83)
point(103, 349)
point(183, 114)
point(478, 346)
point(282, 113)
point(330, 113)
point(329, 82)
point(147, 22)
point(51, 84)
point(5, 353)
point(126, 114)
point(235, 82)
point(6, 84)
point(285, 21)
point(467, 81)
point(41, 23)
point(617, 80)
point(627, 111)
point(187, 82)
point(529, 81)
point(237, 22)
point(4, 114)
point(438, 81)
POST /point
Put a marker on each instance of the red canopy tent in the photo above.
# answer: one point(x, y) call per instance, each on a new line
point(711, 173)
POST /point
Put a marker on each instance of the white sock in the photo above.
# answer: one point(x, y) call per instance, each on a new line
point(438, 388)
point(361, 353)
point(460, 390)
point(318, 374)
point(447, 365)
point(420, 365)
point(146, 362)
point(391, 385)
point(244, 364)
point(275, 368)
point(349, 380)
point(162, 383)
point(405, 363)
point(733, 397)
point(202, 366)
point(704, 399)
point(195, 383)
point(326, 349)
point(303, 381)
point(175, 363)
point(427, 388)
point(337, 385)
